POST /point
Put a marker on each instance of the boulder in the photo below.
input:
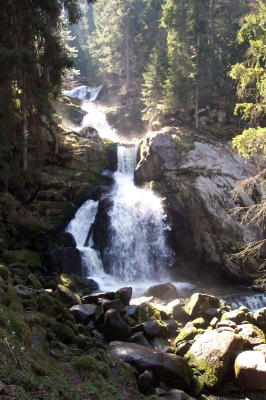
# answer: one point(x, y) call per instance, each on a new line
point(94, 297)
point(213, 353)
point(237, 316)
point(155, 328)
point(66, 296)
point(115, 326)
point(226, 323)
point(261, 348)
point(199, 302)
point(187, 333)
point(172, 327)
point(124, 294)
point(251, 333)
point(163, 291)
point(176, 394)
point(145, 382)
point(250, 370)
point(168, 368)
point(83, 313)
point(24, 292)
point(260, 318)
point(112, 304)
point(139, 338)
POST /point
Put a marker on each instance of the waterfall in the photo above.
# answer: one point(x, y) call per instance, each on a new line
point(81, 92)
point(138, 246)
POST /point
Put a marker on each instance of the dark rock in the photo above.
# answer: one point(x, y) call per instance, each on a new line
point(115, 326)
point(168, 368)
point(66, 296)
point(102, 229)
point(139, 338)
point(112, 304)
point(155, 328)
point(132, 311)
point(63, 260)
point(63, 332)
point(145, 382)
point(161, 345)
point(66, 239)
point(94, 297)
point(24, 292)
point(172, 327)
point(177, 395)
point(163, 291)
point(84, 313)
point(124, 294)
point(99, 336)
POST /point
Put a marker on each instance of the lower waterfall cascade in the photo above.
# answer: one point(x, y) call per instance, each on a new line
point(138, 248)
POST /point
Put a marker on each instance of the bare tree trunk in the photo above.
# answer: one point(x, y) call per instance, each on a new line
point(197, 86)
point(127, 59)
point(25, 137)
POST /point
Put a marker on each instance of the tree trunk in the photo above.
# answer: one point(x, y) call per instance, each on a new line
point(25, 138)
point(127, 59)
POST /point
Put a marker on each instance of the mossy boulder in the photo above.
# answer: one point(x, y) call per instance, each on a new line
point(154, 329)
point(4, 272)
point(147, 312)
point(187, 333)
point(66, 296)
point(164, 291)
point(199, 302)
point(213, 354)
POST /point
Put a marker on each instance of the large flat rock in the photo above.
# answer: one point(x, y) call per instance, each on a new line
point(168, 368)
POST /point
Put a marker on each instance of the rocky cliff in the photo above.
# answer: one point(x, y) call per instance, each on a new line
point(196, 174)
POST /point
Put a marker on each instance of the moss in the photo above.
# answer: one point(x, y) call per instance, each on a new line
point(4, 272)
point(49, 305)
point(83, 194)
point(186, 334)
point(210, 372)
point(88, 364)
point(25, 258)
point(147, 312)
point(35, 282)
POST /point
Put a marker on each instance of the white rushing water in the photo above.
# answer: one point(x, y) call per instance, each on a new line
point(138, 249)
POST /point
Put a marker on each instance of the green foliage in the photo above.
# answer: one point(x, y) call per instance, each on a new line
point(87, 364)
point(251, 142)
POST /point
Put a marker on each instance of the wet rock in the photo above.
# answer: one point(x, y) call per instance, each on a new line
point(250, 370)
point(164, 291)
point(145, 382)
point(83, 313)
point(155, 328)
point(168, 368)
point(252, 334)
point(124, 294)
point(66, 296)
point(213, 353)
point(115, 326)
point(199, 302)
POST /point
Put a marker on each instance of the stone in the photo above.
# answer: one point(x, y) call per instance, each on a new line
point(172, 327)
point(155, 328)
point(94, 297)
point(24, 292)
point(226, 323)
point(66, 296)
point(63, 260)
point(168, 368)
point(176, 394)
point(124, 294)
point(250, 370)
point(261, 348)
point(187, 333)
point(63, 332)
point(213, 353)
point(115, 326)
point(199, 302)
point(145, 382)
point(139, 338)
point(114, 304)
point(237, 316)
point(163, 291)
point(260, 318)
point(83, 313)
point(251, 333)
